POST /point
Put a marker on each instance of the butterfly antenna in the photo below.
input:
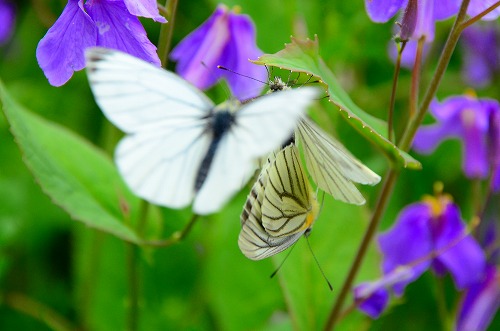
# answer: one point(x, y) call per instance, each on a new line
point(226, 90)
point(319, 266)
point(268, 73)
point(242, 75)
point(282, 262)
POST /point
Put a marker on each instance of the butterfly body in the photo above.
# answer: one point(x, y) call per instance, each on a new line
point(179, 147)
point(220, 122)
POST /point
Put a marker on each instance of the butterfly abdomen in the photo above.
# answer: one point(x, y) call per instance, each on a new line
point(219, 125)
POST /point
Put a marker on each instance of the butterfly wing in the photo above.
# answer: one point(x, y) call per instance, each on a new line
point(260, 127)
point(331, 166)
point(165, 118)
point(273, 209)
point(289, 205)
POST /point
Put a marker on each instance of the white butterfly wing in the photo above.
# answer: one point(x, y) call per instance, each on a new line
point(165, 118)
point(331, 166)
point(257, 241)
point(138, 96)
point(265, 123)
point(260, 127)
point(161, 167)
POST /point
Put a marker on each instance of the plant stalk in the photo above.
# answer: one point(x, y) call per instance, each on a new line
point(392, 175)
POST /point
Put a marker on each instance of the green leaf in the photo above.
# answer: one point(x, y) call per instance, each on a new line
point(303, 56)
point(77, 176)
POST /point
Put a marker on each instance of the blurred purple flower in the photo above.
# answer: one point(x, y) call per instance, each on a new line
point(420, 15)
point(106, 23)
point(481, 54)
point(429, 234)
point(481, 302)
point(227, 39)
point(469, 119)
point(7, 18)
point(409, 53)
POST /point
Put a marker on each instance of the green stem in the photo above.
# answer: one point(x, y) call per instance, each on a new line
point(393, 92)
point(415, 78)
point(441, 304)
point(443, 61)
point(38, 311)
point(476, 18)
point(392, 175)
point(133, 283)
point(175, 237)
point(166, 32)
point(387, 189)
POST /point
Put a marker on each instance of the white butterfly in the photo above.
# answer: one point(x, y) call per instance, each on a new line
point(280, 208)
point(179, 146)
point(332, 167)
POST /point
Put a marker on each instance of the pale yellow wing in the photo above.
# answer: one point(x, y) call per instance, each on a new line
point(280, 207)
point(332, 167)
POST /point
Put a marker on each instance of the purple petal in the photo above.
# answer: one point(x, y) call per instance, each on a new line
point(7, 19)
point(480, 61)
point(425, 21)
point(481, 303)
point(382, 10)
point(428, 137)
point(475, 126)
point(408, 242)
point(409, 20)
point(60, 52)
point(409, 53)
point(495, 183)
point(477, 6)
point(493, 135)
point(145, 8)
point(120, 30)
point(444, 9)
point(458, 252)
point(240, 48)
point(199, 53)
point(372, 304)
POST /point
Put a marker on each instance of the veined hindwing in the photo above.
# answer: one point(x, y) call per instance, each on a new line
point(280, 207)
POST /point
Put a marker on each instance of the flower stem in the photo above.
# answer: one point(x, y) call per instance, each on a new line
point(392, 175)
point(133, 287)
point(387, 189)
point(38, 311)
point(393, 92)
point(441, 304)
point(443, 61)
point(476, 18)
point(166, 32)
point(175, 237)
point(415, 78)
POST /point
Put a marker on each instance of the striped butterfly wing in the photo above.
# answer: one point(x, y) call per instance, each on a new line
point(280, 207)
point(332, 167)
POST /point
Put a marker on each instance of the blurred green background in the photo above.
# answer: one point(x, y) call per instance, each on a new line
point(49, 263)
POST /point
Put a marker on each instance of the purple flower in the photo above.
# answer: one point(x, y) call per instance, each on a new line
point(481, 302)
point(7, 18)
point(226, 39)
point(429, 234)
point(466, 118)
point(409, 53)
point(106, 23)
point(420, 15)
point(481, 54)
